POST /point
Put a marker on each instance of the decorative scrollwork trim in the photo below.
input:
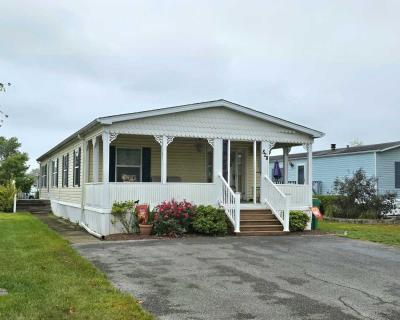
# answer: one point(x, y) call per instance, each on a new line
point(113, 136)
point(210, 142)
point(169, 140)
point(307, 146)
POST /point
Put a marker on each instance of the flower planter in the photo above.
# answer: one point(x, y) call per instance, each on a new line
point(145, 229)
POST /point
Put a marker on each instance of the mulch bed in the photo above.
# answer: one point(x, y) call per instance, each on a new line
point(125, 236)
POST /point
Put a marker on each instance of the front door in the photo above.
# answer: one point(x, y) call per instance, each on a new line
point(238, 172)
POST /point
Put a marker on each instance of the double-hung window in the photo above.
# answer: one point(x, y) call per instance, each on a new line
point(54, 173)
point(128, 165)
point(43, 176)
point(77, 167)
point(65, 165)
point(397, 175)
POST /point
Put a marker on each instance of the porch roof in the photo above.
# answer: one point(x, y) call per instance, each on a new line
point(184, 108)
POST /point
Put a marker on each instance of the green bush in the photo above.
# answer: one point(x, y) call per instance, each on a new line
point(7, 193)
point(173, 218)
point(124, 213)
point(298, 220)
point(210, 220)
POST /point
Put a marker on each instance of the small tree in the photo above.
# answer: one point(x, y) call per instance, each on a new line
point(359, 196)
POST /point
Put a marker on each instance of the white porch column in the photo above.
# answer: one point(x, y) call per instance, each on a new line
point(286, 151)
point(164, 146)
point(217, 145)
point(164, 141)
point(87, 161)
point(228, 163)
point(96, 157)
point(106, 168)
point(266, 147)
point(255, 172)
point(308, 148)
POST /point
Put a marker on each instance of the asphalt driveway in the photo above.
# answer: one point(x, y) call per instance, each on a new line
point(288, 277)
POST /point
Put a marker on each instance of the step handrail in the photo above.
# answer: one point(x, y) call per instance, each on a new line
point(278, 202)
point(231, 203)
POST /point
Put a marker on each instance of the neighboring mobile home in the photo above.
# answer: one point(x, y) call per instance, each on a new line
point(209, 153)
point(377, 160)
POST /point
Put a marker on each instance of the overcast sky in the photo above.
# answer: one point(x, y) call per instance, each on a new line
point(330, 65)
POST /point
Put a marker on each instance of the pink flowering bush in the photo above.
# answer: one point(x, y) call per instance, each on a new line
point(173, 218)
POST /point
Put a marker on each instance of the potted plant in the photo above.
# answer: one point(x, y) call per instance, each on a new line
point(146, 220)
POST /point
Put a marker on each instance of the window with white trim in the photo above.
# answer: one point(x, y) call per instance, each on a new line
point(128, 166)
point(77, 167)
point(54, 173)
point(65, 165)
point(43, 176)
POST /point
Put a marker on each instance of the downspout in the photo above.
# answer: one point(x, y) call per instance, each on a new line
point(82, 223)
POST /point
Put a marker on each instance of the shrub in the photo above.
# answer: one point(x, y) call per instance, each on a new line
point(124, 212)
point(7, 193)
point(298, 220)
point(210, 220)
point(358, 196)
point(172, 218)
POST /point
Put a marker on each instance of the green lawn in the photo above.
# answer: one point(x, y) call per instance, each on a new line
point(383, 233)
point(47, 279)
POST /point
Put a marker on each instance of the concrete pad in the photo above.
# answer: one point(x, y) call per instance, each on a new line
point(66, 229)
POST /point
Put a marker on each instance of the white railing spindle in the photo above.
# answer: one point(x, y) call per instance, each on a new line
point(231, 203)
point(277, 202)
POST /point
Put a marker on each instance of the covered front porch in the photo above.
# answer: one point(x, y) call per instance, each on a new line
point(230, 173)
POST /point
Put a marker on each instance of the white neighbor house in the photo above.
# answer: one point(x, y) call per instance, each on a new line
point(213, 152)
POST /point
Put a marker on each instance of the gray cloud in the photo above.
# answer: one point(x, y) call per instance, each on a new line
point(332, 65)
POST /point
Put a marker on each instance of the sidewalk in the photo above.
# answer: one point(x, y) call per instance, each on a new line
point(67, 230)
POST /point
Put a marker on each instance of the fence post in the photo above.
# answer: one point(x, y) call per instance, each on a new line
point(237, 212)
point(15, 198)
point(286, 215)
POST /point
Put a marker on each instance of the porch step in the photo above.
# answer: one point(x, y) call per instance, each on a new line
point(259, 222)
point(246, 222)
point(261, 227)
point(261, 233)
point(34, 206)
point(257, 216)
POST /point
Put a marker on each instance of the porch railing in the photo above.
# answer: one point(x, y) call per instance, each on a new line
point(278, 202)
point(298, 195)
point(149, 192)
point(231, 203)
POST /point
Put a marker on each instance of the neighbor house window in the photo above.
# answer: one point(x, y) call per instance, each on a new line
point(43, 176)
point(300, 174)
point(65, 165)
point(54, 173)
point(128, 165)
point(77, 167)
point(397, 175)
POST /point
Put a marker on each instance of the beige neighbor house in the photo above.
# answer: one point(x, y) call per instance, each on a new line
point(213, 153)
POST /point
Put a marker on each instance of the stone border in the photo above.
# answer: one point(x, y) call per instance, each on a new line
point(365, 221)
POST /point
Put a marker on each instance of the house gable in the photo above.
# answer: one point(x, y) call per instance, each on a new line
point(216, 122)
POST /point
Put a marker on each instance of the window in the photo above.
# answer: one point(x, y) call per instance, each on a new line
point(397, 175)
point(43, 176)
point(128, 165)
point(300, 174)
point(65, 165)
point(77, 167)
point(54, 173)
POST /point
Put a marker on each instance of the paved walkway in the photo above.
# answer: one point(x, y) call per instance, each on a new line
point(287, 277)
point(68, 230)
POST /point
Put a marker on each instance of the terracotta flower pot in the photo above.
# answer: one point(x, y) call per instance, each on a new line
point(145, 229)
